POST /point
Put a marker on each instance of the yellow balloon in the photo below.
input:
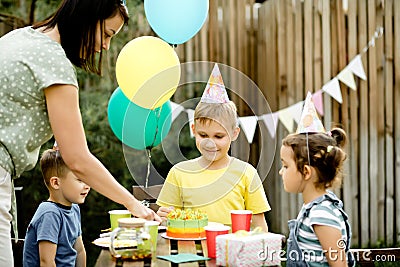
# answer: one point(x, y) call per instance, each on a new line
point(148, 71)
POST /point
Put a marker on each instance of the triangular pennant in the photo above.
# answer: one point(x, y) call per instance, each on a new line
point(176, 110)
point(318, 102)
point(190, 113)
point(310, 122)
point(296, 110)
point(333, 89)
point(215, 91)
point(271, 122)
point(249, 124)
point(346, 77)
point(286, 117)
point(357, 67)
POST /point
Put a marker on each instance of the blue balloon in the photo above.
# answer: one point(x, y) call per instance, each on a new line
point(176, 21)
point(138, 127)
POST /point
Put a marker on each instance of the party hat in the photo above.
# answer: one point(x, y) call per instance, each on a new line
point(309, 120)
point(215, 91)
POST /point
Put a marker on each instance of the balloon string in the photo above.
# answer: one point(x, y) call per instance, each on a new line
point(158, 114)
point(148, 167)
point(151, 146)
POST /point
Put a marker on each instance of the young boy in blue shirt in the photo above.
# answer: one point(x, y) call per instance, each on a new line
point(54, 235)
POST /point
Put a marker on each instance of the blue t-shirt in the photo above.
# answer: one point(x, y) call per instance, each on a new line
point(58, 224)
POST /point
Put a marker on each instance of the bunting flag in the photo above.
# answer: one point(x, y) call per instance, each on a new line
point(296, 111)
point(190, 113)
point(176, 110)
point(319, 104)
point(333, 89)
point(271, 122)
point(346, 77)
point(357, 68)
point(287, 116)
point(249, 124)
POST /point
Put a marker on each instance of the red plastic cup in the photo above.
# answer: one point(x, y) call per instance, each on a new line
point(241, 220)
point(212, 231)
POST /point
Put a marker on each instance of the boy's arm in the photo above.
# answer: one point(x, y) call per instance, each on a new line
point(47, 253)
point(80, 249)
point(163, 212)
point(259, 220)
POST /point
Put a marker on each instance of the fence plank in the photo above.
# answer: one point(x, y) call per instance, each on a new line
point(350, 195)
point(213, 36)
point(326, 57)
point(373, 124)
point(298, 43)
point(389, 207)
point(317, 57)
point(380, 100)
point(308, 47)
point(364, 133)
point(397, 113)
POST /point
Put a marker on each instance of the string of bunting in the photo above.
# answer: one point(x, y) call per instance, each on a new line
point(288, 116)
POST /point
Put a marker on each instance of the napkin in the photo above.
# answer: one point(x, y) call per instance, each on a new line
point(183, 257)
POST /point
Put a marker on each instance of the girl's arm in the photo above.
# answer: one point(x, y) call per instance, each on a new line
point(80, 249)
point(259, 220)
point(66, 123)
point(331, 242)
point(47, 253)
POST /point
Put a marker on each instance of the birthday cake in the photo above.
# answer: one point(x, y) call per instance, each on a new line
point(186, 223)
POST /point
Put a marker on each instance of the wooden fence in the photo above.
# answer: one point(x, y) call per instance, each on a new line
point(289, 47)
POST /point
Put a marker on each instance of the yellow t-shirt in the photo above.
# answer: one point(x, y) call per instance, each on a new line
point(215, 192)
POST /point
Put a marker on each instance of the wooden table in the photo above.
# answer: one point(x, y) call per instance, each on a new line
point(164, 247)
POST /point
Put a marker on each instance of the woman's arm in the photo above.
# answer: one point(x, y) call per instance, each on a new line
point(80, 249)
point(331, 242)
point(47, 254)
point(258, 220)
point(66, 123)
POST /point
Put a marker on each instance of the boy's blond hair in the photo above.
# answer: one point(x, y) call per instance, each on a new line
point(223, 113)
point(52, 165)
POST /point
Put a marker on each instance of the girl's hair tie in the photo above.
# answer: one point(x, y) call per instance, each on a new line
point(329, 133)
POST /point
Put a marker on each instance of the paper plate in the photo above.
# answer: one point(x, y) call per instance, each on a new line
point(164, 235)
point(104, 242)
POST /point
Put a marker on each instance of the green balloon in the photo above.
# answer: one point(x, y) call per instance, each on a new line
point(135, 126)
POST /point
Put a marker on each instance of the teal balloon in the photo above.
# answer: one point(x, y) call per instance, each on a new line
point(176, 21)
point(135, 126)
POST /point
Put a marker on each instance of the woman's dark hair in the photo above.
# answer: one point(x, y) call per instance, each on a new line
point(324, 151)
point(77, 22)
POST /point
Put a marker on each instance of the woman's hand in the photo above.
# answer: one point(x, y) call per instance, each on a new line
point(141, 211)
point(163, 212)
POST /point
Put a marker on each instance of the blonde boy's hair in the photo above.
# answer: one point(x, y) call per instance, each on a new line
point(52, 164)
point(223, 113)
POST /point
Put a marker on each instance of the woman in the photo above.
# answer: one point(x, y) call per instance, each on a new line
point(39, 98)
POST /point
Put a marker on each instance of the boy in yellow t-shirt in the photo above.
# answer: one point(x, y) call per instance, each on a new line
point(215, 182)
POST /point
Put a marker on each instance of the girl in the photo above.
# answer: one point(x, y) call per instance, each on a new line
point(312, 163)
